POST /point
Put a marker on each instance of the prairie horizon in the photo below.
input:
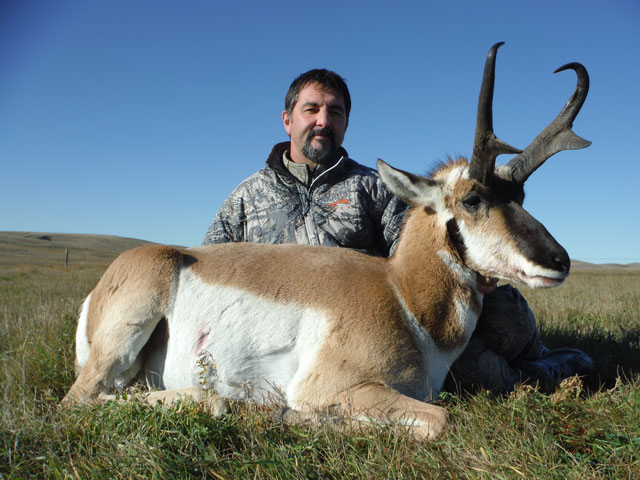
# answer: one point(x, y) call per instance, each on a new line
point(18, 246)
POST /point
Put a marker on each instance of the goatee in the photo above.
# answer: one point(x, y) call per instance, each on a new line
point(326, 153)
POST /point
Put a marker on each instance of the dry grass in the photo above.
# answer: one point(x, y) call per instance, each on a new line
point(596, 311)
point(573, 433)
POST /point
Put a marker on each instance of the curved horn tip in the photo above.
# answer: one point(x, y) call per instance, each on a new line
point(495, 48)
point(578, 67)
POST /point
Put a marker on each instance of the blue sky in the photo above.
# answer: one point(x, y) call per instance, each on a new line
point(138, 118)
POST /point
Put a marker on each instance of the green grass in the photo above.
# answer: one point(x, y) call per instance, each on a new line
point(580, 431)
point(598, 312)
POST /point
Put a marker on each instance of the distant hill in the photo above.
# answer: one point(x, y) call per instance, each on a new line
point(578, 265)
point(39, 247)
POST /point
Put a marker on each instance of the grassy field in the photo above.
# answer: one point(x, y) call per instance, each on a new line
point(588, 430)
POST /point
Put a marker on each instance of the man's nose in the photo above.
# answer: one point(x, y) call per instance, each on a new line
point(323, 118)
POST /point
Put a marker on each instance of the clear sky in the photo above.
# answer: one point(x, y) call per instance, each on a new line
point(138, 118)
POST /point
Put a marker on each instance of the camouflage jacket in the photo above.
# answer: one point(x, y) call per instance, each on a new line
point(347, 205)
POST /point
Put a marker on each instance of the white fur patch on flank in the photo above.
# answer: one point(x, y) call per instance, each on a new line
point(253, 347)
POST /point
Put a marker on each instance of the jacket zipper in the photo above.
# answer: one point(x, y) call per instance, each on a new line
point(310, 226)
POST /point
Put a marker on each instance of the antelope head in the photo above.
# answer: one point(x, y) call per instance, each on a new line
point(479, 205)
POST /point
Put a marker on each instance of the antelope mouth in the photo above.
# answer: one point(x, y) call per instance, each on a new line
point(488, 283)
point(542, 281)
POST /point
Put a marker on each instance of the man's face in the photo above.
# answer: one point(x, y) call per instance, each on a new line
point(316, 125)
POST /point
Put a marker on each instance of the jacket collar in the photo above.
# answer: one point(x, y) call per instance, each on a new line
point(275, 157)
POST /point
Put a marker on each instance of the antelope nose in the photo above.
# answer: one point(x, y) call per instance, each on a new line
point(562, 261)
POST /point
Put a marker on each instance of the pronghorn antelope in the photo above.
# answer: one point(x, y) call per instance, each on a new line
point(371, 338)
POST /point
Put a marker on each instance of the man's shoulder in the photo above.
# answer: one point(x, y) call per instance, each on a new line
point(249, 187)
point(355, 169)
point(262, 176)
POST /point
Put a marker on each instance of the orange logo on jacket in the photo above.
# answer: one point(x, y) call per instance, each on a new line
point(344, 201)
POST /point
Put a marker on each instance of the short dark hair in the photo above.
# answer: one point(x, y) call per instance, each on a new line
point(328, 79)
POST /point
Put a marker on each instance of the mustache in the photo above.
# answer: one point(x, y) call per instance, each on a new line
point(325, 132)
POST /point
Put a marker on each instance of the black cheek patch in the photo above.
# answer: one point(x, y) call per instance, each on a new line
point(455, 239)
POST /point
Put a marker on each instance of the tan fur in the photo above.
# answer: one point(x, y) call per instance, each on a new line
point(374, 359)
point(136, 288)
point(373, 400)
point(353, 287)
point(369, 357)
point(368, 340)
point(431, 294)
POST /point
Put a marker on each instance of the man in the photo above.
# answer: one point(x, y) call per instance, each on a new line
point(311, 192)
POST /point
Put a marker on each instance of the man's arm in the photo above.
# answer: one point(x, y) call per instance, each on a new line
point(229, 224)
point(391, 212)
point(392, 222)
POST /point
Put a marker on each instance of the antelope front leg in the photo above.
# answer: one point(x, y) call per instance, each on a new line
point(377, 403)
point(381, 403)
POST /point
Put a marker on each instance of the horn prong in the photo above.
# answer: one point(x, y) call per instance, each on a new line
point(486, 146)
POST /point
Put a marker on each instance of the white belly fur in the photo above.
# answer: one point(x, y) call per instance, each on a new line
point(252, 347)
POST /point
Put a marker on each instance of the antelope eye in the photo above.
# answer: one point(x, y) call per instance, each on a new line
point(472, 201)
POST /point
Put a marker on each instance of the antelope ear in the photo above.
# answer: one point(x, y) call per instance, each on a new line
point(411, 188)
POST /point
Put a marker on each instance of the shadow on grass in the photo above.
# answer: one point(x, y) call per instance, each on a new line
point(615, 355)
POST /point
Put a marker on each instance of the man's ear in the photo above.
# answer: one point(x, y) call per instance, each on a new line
point(286, 121)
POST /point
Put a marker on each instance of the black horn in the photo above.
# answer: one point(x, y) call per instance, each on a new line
point(486, 146)
point(556, 137)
